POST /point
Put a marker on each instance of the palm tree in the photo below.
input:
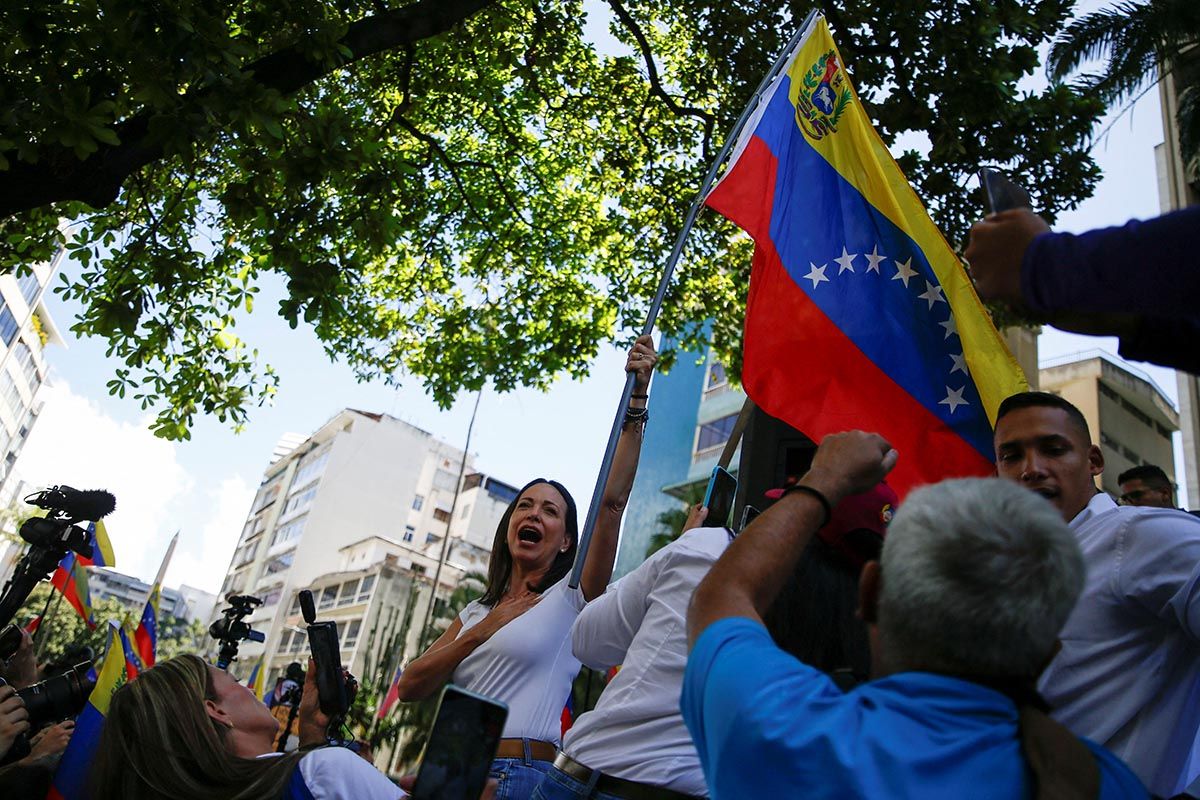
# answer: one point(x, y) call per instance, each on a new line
point(670, 523)
point(1139, 42)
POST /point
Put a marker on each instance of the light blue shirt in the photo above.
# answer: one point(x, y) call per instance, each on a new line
point(767, 725)
point(1128, 675)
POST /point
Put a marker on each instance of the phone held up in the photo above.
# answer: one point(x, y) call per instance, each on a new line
point(335, 686)
point(462, 744)
point(1000, 193)
point(719, 496)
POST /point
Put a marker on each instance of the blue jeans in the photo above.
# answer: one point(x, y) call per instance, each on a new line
point(518, 777)
point(558, 785)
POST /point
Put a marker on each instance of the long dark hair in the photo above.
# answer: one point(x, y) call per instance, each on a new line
point(159, 743)
point(500, 568)
point(815, 618)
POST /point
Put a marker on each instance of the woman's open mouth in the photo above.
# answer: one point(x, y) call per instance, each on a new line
point(532, 535)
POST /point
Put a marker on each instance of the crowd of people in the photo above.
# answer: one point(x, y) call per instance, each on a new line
point(1024, 635)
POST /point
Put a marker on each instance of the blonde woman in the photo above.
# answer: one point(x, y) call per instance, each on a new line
point(185, 730)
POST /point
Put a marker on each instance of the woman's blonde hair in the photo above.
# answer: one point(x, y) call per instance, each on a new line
point(159, 742)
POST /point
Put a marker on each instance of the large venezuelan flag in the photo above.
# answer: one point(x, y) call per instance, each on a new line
point(860, 315)
point(71, 579)
point(146, 636)
point(70, 779)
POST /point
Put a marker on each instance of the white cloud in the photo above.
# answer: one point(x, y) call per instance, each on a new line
point(75, 443)
point(201, 560)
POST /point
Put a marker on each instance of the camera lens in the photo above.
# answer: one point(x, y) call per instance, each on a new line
point(57, 698)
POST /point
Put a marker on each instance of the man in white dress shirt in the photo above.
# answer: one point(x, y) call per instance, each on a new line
point(1128, 674)
point(634, 744)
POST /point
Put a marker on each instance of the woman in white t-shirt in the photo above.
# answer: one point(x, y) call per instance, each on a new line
point(514, 643)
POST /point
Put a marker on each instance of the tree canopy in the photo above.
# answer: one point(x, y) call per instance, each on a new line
point(454, 190)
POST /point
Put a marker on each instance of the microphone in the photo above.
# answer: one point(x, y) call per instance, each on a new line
point(90, 504)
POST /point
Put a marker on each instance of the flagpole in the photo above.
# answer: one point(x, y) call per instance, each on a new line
point(610, 449)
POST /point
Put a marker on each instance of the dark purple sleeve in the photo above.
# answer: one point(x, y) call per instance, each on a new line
point(1168, 342)
point(1150, 267)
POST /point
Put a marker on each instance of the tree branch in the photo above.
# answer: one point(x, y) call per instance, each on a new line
point(656, 87)
point(59, 176)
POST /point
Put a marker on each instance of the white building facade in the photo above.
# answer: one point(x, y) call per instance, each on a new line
point(358, 513)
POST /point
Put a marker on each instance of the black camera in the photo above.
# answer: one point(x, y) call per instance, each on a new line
point(232, 628)
point(50, 538)
point(60, 697)
point(336, 687)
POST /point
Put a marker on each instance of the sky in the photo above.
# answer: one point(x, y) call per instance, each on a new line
point(203, 487)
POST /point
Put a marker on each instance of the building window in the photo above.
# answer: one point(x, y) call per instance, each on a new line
point(12, 396)
point(24, 358)
point(295, 609)
point(1138, 414)
point(272, 595)
point(285, 642)
point(346, 595)
point(311, 467)
point(1108, 392)
point(716, 377)
point(29, 286)
point(418, 501)
point(289, 531)
point(299, 641)
point(8, 326)
point(350, 638)
point(299, 501)
point(280, 562)
point(1162, 431)
point(432, 537)
point(328, 597)
point(364, 590)
point(715, 433)
point(409, 530)
point(441, 515)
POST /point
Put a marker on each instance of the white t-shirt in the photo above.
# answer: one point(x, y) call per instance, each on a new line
point(336, 773)
point(636, 731)
point(527, 664)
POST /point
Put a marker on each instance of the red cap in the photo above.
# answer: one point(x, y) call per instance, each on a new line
point(869, 511)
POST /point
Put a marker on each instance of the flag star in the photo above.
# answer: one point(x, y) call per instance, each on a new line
point(954, 399)
point(933, 294)
point(904, 271)
point(817, 274)
point(951, 327)
point(846, 261)
point(873, 259)
point(960, 363)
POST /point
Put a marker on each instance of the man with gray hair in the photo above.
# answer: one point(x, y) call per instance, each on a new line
point(975, 580)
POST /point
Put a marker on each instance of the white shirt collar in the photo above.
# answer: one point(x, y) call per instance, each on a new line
point(1099, 504)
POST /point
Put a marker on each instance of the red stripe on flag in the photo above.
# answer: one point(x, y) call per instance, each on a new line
point(800, 367)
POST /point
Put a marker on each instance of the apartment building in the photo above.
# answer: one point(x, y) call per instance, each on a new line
point(358, 513)
point(1127, 413)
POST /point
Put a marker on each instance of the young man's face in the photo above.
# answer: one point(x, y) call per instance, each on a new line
point(1043, 450)
point(1136, 492)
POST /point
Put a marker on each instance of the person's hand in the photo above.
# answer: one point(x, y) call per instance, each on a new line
point(505, 611)
point(51, 741)
point(14, 719)
point(641, 361)
point(849, 463)
point(489, 791)
point(312, 722)
point(22, 667)
point(996, 249)
point(695, 518)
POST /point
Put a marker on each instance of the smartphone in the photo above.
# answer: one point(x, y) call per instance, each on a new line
point(1000, 193)
point(718, 499)
point(461, 746)
point(748, 515)
point(333, 694)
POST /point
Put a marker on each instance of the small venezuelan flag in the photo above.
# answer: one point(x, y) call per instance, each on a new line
point(258, 678)
point(146, 636)
point(71, 579)
point(860, 315)
point(102, 552)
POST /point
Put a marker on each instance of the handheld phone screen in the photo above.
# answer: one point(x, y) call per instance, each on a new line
point(719, 498)
point(462, 743)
